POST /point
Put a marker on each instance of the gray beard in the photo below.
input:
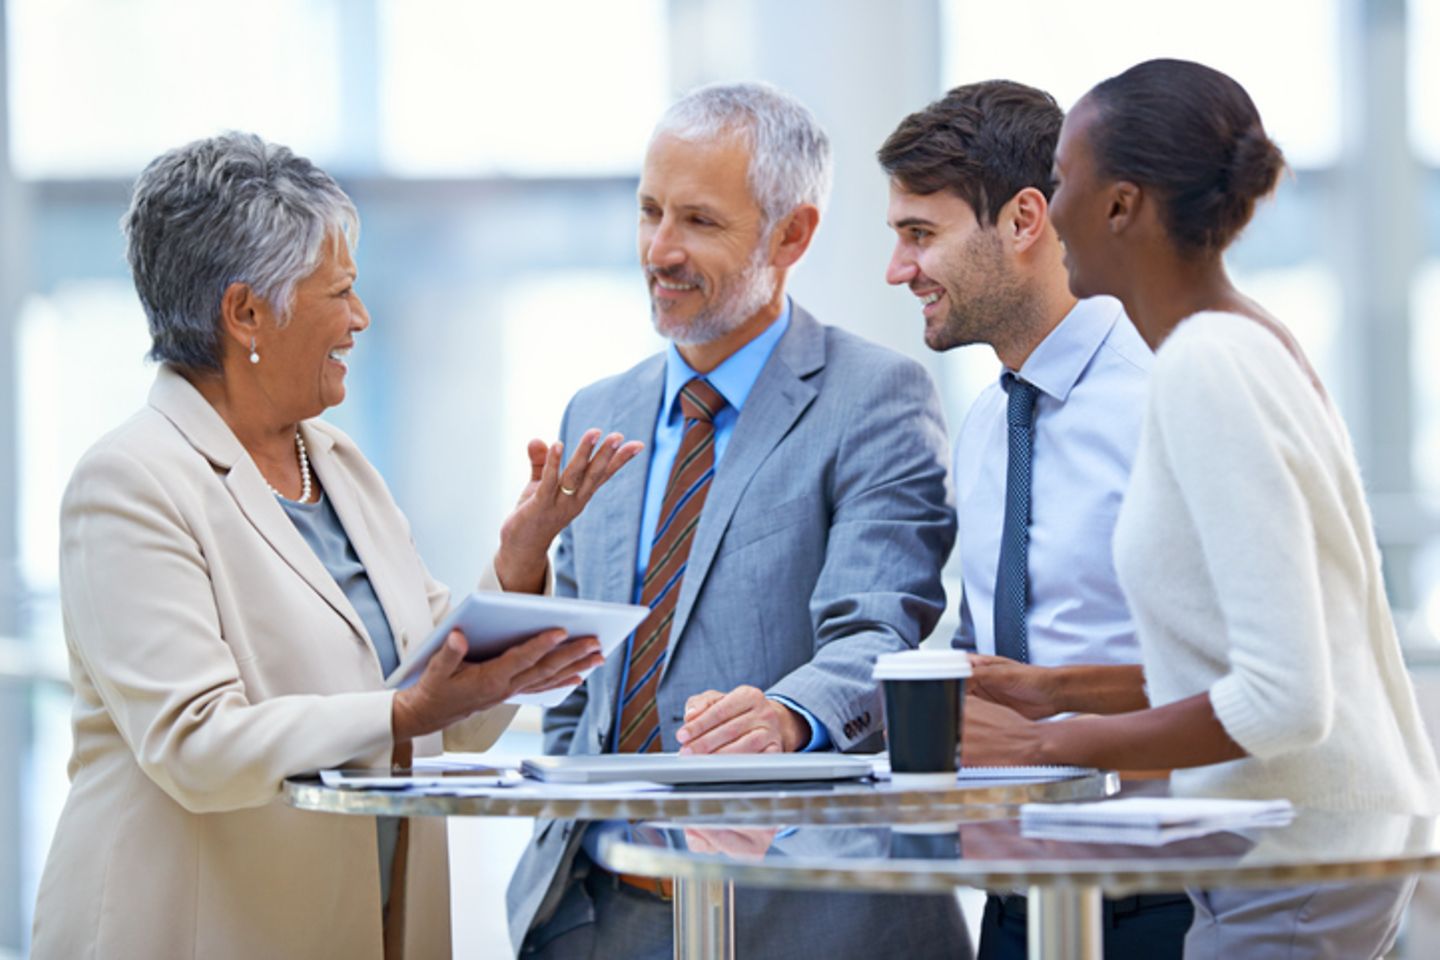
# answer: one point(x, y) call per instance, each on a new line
point(741, 298)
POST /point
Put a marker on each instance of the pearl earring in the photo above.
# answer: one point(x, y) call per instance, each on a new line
point(254, 357)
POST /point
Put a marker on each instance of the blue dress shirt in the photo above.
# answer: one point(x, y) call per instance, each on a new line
point(1092, 372)
point(734, 379)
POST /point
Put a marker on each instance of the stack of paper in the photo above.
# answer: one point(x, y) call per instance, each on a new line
point(446, 778)
point(424, 778)
point(1149, 821)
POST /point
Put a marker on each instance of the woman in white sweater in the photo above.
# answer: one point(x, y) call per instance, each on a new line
point(1244, 547)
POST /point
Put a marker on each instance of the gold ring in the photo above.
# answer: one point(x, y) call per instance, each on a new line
point(566, 490)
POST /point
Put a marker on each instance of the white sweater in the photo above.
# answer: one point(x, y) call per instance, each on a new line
point(1245, 550)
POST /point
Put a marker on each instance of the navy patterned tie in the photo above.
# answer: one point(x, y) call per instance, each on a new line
point(1012, 581)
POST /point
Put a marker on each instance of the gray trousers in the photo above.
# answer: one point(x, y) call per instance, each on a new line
point(600, 919)
point(1351, 922)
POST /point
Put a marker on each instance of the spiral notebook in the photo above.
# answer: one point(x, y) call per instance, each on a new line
point(1031, 774)
point(1015, 774)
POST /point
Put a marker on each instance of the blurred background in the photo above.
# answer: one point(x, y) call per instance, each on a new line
point(493, 150)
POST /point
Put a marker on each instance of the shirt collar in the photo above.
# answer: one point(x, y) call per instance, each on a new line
point(1057, 363)
point(736, 375)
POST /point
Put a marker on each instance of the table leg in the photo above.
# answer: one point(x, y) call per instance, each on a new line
point(1064, 923)
point(704, 920)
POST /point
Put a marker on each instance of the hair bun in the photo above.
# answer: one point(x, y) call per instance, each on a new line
point(1255, 165)
point(1193, 134)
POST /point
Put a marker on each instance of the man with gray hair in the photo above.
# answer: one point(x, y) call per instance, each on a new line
point(789, 526)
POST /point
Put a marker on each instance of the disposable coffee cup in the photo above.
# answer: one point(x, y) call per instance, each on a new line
point(924, 707)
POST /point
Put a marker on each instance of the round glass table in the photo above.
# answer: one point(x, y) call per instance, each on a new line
point(1065, 879)
point(703, 909)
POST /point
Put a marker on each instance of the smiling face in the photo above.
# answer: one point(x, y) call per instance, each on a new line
point(305, 359)
point(958, 268)
point(1079, 208)
point(702, 239)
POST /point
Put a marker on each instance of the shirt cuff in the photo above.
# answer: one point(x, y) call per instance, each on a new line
point(819, 736)
point(490, 580)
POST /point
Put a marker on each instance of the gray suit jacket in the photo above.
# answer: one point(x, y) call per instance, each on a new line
point(819, 547)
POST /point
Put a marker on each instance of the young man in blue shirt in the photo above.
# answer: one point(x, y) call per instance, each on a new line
point(1044, 455)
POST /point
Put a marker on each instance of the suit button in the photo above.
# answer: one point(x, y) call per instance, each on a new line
point(849, 731)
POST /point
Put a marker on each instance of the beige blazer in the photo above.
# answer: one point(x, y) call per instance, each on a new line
point(213, 656)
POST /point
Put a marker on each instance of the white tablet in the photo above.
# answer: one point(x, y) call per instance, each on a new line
point(697, 768)
point(493, 622)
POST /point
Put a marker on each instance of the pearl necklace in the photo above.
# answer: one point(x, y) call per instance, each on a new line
point(304, 472)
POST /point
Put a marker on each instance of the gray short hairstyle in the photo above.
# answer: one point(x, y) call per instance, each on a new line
point(789, 151)
point(228, 209)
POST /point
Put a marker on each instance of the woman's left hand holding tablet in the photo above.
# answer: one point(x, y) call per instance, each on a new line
point(450, 689)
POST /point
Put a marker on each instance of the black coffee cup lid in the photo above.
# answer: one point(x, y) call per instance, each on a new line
point(922, 665)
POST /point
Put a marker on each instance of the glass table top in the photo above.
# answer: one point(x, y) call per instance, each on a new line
point(1316, 847)
point(847, 801)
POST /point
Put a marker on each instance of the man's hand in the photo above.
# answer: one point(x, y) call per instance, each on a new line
point(1027, 689)
point(741, 721)
point(740, 843)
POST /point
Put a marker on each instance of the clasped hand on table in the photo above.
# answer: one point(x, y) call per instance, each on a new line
point(741, 721)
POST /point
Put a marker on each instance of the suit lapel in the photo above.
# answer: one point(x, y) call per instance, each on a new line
point(622, 500)
point(200, 424)
point(618, 510)
point(776, 402)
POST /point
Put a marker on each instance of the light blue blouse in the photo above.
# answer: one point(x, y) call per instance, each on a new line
point(320, 525)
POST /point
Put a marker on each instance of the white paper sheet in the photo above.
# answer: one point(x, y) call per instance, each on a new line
point(1149, 821)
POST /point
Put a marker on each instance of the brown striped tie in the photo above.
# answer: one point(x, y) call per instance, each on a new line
point(679, 516)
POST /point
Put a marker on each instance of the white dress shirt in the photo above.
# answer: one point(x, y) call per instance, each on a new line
point(1092, 373)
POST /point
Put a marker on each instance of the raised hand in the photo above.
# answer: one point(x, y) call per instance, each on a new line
point(551, 499)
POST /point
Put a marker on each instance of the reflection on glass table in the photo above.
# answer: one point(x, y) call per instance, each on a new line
point(847, 801)
point(1065, 879)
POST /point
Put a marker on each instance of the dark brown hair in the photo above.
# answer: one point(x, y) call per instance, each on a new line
point(1193, 134)
point(984, 142)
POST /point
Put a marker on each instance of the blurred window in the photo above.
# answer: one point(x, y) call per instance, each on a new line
point(1070, 47)
point(1423, 39)
point(99, 87)
point(86, 341)
point(1425, 350)
point(603, 319)
point(463, 88)
point(543, 88)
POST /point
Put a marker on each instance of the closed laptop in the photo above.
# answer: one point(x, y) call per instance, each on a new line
point(693, 768)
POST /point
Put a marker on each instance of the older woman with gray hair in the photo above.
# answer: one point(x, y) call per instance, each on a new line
point(237, 581)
